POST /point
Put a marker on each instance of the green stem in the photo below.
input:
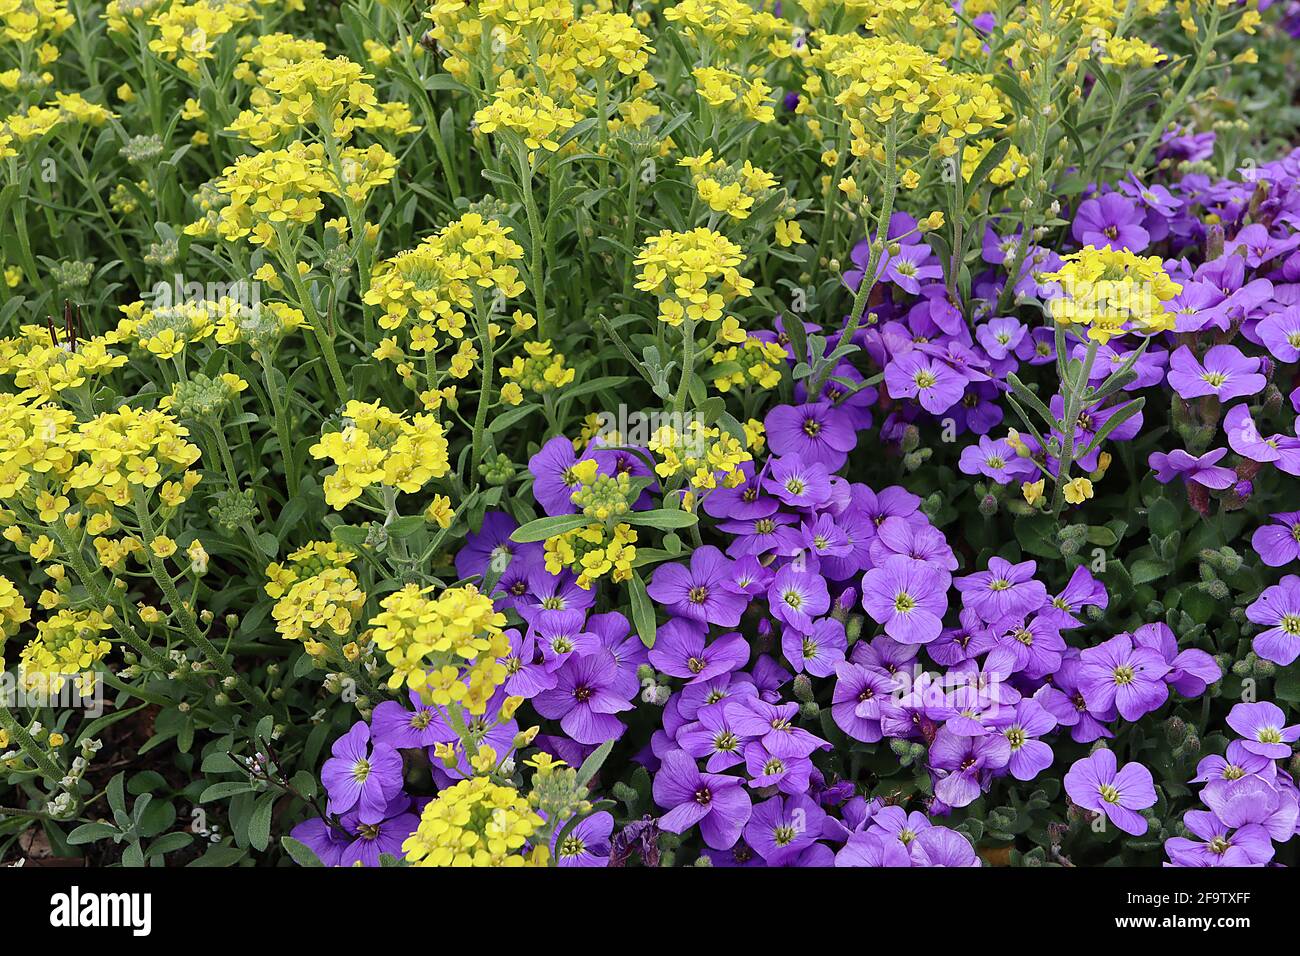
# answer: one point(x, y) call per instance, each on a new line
point(1075, 392)
point(28, 745)
point(1176, 104)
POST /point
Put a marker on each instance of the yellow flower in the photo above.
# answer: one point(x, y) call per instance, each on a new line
point(1078, 490)
point(162, 546)
point(1033, 491)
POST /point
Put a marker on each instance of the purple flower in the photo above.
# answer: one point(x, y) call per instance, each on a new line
point(552, 596)
point(965, 765)
point(1000, 337)
point(799, 484)
point(699, 593)
point(370, 840)
point(561, 636)
point(781, 828)
point(1280, 333)
point(553, 479)
point(1071, 709)
point(789, 774)
point(816, 432)
point(1278, 544)
point(586, 843)
point(1190, 671)
point(1131, 678)
point(910, 266)
point(1082, 590)
point(908, 597)
point(745, 502)
point(490, 548)
point(1094, 784)
point(940, 846)
point(584, 699)
point(862, 695)
point(872, 848)
point(681, 652)
point(1261, 727)
point(996, 459)
point(718, 803)
point(796, 597)
point(1278, 609)
point(773, 726)
point(931, 382)
point(1022, 728)
point(818, 650)
point(1110, 221)
point(1224, 373)
point(1219, 844)
point(362, 774)
point(1003, 590)
point(916, 539)
point(713, 737)
point(1203, 469)
point(328, 842)
point(400, 728)
point(1245, 439)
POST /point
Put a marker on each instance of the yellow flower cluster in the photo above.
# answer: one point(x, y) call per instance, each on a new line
point(377, 446)
point(602, 41)
point(430, 288)
point(42, 369)
point(728, 189)
point(727, 89)
point(188, 32)
point(679, 268)
point(25, 21)
point(730, 24)
point(541, 371)
point(316, 595)
point(444, 648)
point(476, 823)
point(592, 552)
point(14, 612)
point(706, 456)
point(67, 644)
point(1112, 291)
point(753, 362)
point(327, 94)
point(530, 114)
point(278, 188)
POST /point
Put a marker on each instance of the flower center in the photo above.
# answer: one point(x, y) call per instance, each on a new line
point(553, 603)
point(793, 599)
point(764, 526)
point(725, 742)
point(361, 770)
point(1291, 624)
point(1214, 379)
point(999, 584)
point(1219, 845)
point(698, 594)
point(1269, 735)
point(924, 379)
point(1015, 737)
point(784, 835)
point(795, 486)
point(996, 461)
point(420, 719)
point(1108, 793)
point(695, 665)
point(904, 602)
point(811, 427)
point(1123, 675)
point(572, 846)
point(703, 797)
point(582, 694)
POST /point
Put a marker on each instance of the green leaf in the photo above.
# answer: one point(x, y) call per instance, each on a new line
point(90, 832)
point(259, 824)
point(1146, 570)
point(223, 789)
point(664, 519)
point(542, 528)
point(643, 612)
point(300, 852)
point(1119, 418)
point(1163, 518)
point(591, 766)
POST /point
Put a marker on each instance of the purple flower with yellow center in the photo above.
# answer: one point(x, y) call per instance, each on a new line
point(1022, 728)
point(996, 459)
point(789, 774)
point(1256, 800)
point(1116, 672)
point(615, 635)
point(907, 597)
point(490, 549)
point(745, 502)
point(931, 382)
point(1278, 544)
point(1001, 336)
point(1245, 438)
point(965, 765)
point(1110, 221)
point(363, 774)
point(872, 848)
point(918, 540)
point(815, 432)
point(372, 839)
point(1219, 844)
point(563, 635)
point(586, 843)
point(798, 484)
point(797, 597)
point(1277, 609)
point(910, 266)
point(1035, 644)
point(755, 536)
point(1261, 725)
point(553, 479)
point(1203, 470)
point(1237, 762)
point(781, 828)
point(1003, 590)
point(862, 696)
point(818, 650)
point(697, 592)
point(400, 728)
point(891, 502)
point(1082, 590)
point(1064, 699)
point(713, 739)
point(680, 650)
point(773, 725)
point(1224, 373)
point(717, 803)
point(1280, 333)
point(526, 675)
point(749, 577)
point(1190, 671)
point(1090, 421)
point(584, 699)
point(1094, 783)
point(553, 595)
